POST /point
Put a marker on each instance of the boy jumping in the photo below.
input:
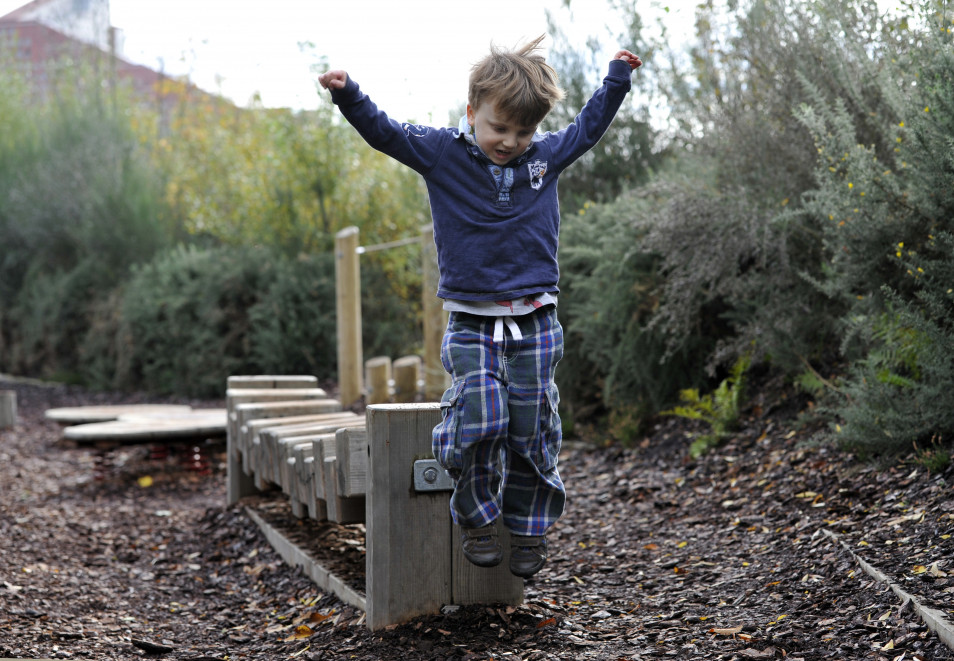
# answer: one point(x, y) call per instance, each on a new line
point(492, 186)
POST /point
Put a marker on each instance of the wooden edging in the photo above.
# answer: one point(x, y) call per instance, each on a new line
point(294, 556)
point(933, 618)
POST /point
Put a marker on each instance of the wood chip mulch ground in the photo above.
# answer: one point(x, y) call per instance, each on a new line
point(658, 556)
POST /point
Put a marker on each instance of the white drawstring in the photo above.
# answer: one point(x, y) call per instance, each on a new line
point(511, 324)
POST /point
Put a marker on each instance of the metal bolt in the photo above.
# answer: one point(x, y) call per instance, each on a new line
point(430, 475)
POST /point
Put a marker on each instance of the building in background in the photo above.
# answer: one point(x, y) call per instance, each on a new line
point(51, 40)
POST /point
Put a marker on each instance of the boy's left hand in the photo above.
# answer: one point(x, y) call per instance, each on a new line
point(632, 60)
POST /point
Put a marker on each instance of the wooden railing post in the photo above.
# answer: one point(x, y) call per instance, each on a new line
point(378, 380)
point(435, 319)
point(407, 372)
point(348, 324)
point(414, 565)
point(8, 408)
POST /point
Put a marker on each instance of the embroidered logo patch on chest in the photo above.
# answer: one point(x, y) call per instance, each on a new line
point(415, 130)
point(537, 170)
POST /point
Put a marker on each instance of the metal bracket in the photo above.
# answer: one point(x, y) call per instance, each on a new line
point(431, 476)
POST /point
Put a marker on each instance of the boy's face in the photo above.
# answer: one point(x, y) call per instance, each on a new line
point(500, 139)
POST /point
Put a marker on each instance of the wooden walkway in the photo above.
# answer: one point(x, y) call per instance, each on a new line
point(338, 466)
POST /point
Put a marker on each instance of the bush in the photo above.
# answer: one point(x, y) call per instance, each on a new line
point(193, 317)
point(886, 223)
point(614, 357)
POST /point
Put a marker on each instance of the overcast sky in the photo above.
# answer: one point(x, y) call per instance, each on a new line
point(412, 56)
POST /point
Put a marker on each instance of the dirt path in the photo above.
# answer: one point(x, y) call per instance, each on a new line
point(657, 557)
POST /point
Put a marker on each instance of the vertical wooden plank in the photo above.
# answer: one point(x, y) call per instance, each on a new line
point(408, 533)
point(436, 379)
point(378, 379)
point(407, 372)
point(8, 408)
point(348, 320)
point(256, 389)
point(351, 449)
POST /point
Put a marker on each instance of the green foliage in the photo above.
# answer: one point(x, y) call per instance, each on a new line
point(628, 152)
point(613, 358)
point(804, 223)
point(719, 409)
point(900, 392)
point(193, 317)
point(78, 207)
point(935, 458)
point(885, 218)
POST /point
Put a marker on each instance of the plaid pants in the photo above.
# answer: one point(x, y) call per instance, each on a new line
point(500, 433)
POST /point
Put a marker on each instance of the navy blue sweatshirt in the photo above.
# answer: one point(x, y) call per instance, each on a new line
point(496, 227)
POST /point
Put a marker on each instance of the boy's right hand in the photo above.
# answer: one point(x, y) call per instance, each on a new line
point(334, 80)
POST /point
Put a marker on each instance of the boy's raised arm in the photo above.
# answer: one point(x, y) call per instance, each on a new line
point(631, 59)
point(334, 80)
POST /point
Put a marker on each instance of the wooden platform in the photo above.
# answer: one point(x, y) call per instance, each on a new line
point(76, 415)
point(152, 426)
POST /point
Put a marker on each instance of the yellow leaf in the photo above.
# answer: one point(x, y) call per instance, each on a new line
point(682, 544)
point(888, 645)
point(577, 579)
point(919, 569)
point(302, 632)
point(145, 481)
point(806, 494)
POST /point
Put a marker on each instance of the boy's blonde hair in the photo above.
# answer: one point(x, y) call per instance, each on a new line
point(520, 82)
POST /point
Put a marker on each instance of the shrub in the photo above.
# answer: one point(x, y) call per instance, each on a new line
point(193, 317)
point(886, 222)
point(719, 409)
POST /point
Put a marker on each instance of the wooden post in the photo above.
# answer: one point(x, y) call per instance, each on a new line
point(8, 408)
point(379, 380)
point(348, 323)
point(436, 379)
point(407, 372)
point(414, 567)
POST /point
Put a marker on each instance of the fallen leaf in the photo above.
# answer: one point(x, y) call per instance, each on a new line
point(726, 632)
point(301, 632)
point(651, 547)
point(145, 481)
point(919, 569)
point(547, 622)
point(318, 617)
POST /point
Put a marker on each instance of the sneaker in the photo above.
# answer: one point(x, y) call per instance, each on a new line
point(480, 545)
point(528, 554)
